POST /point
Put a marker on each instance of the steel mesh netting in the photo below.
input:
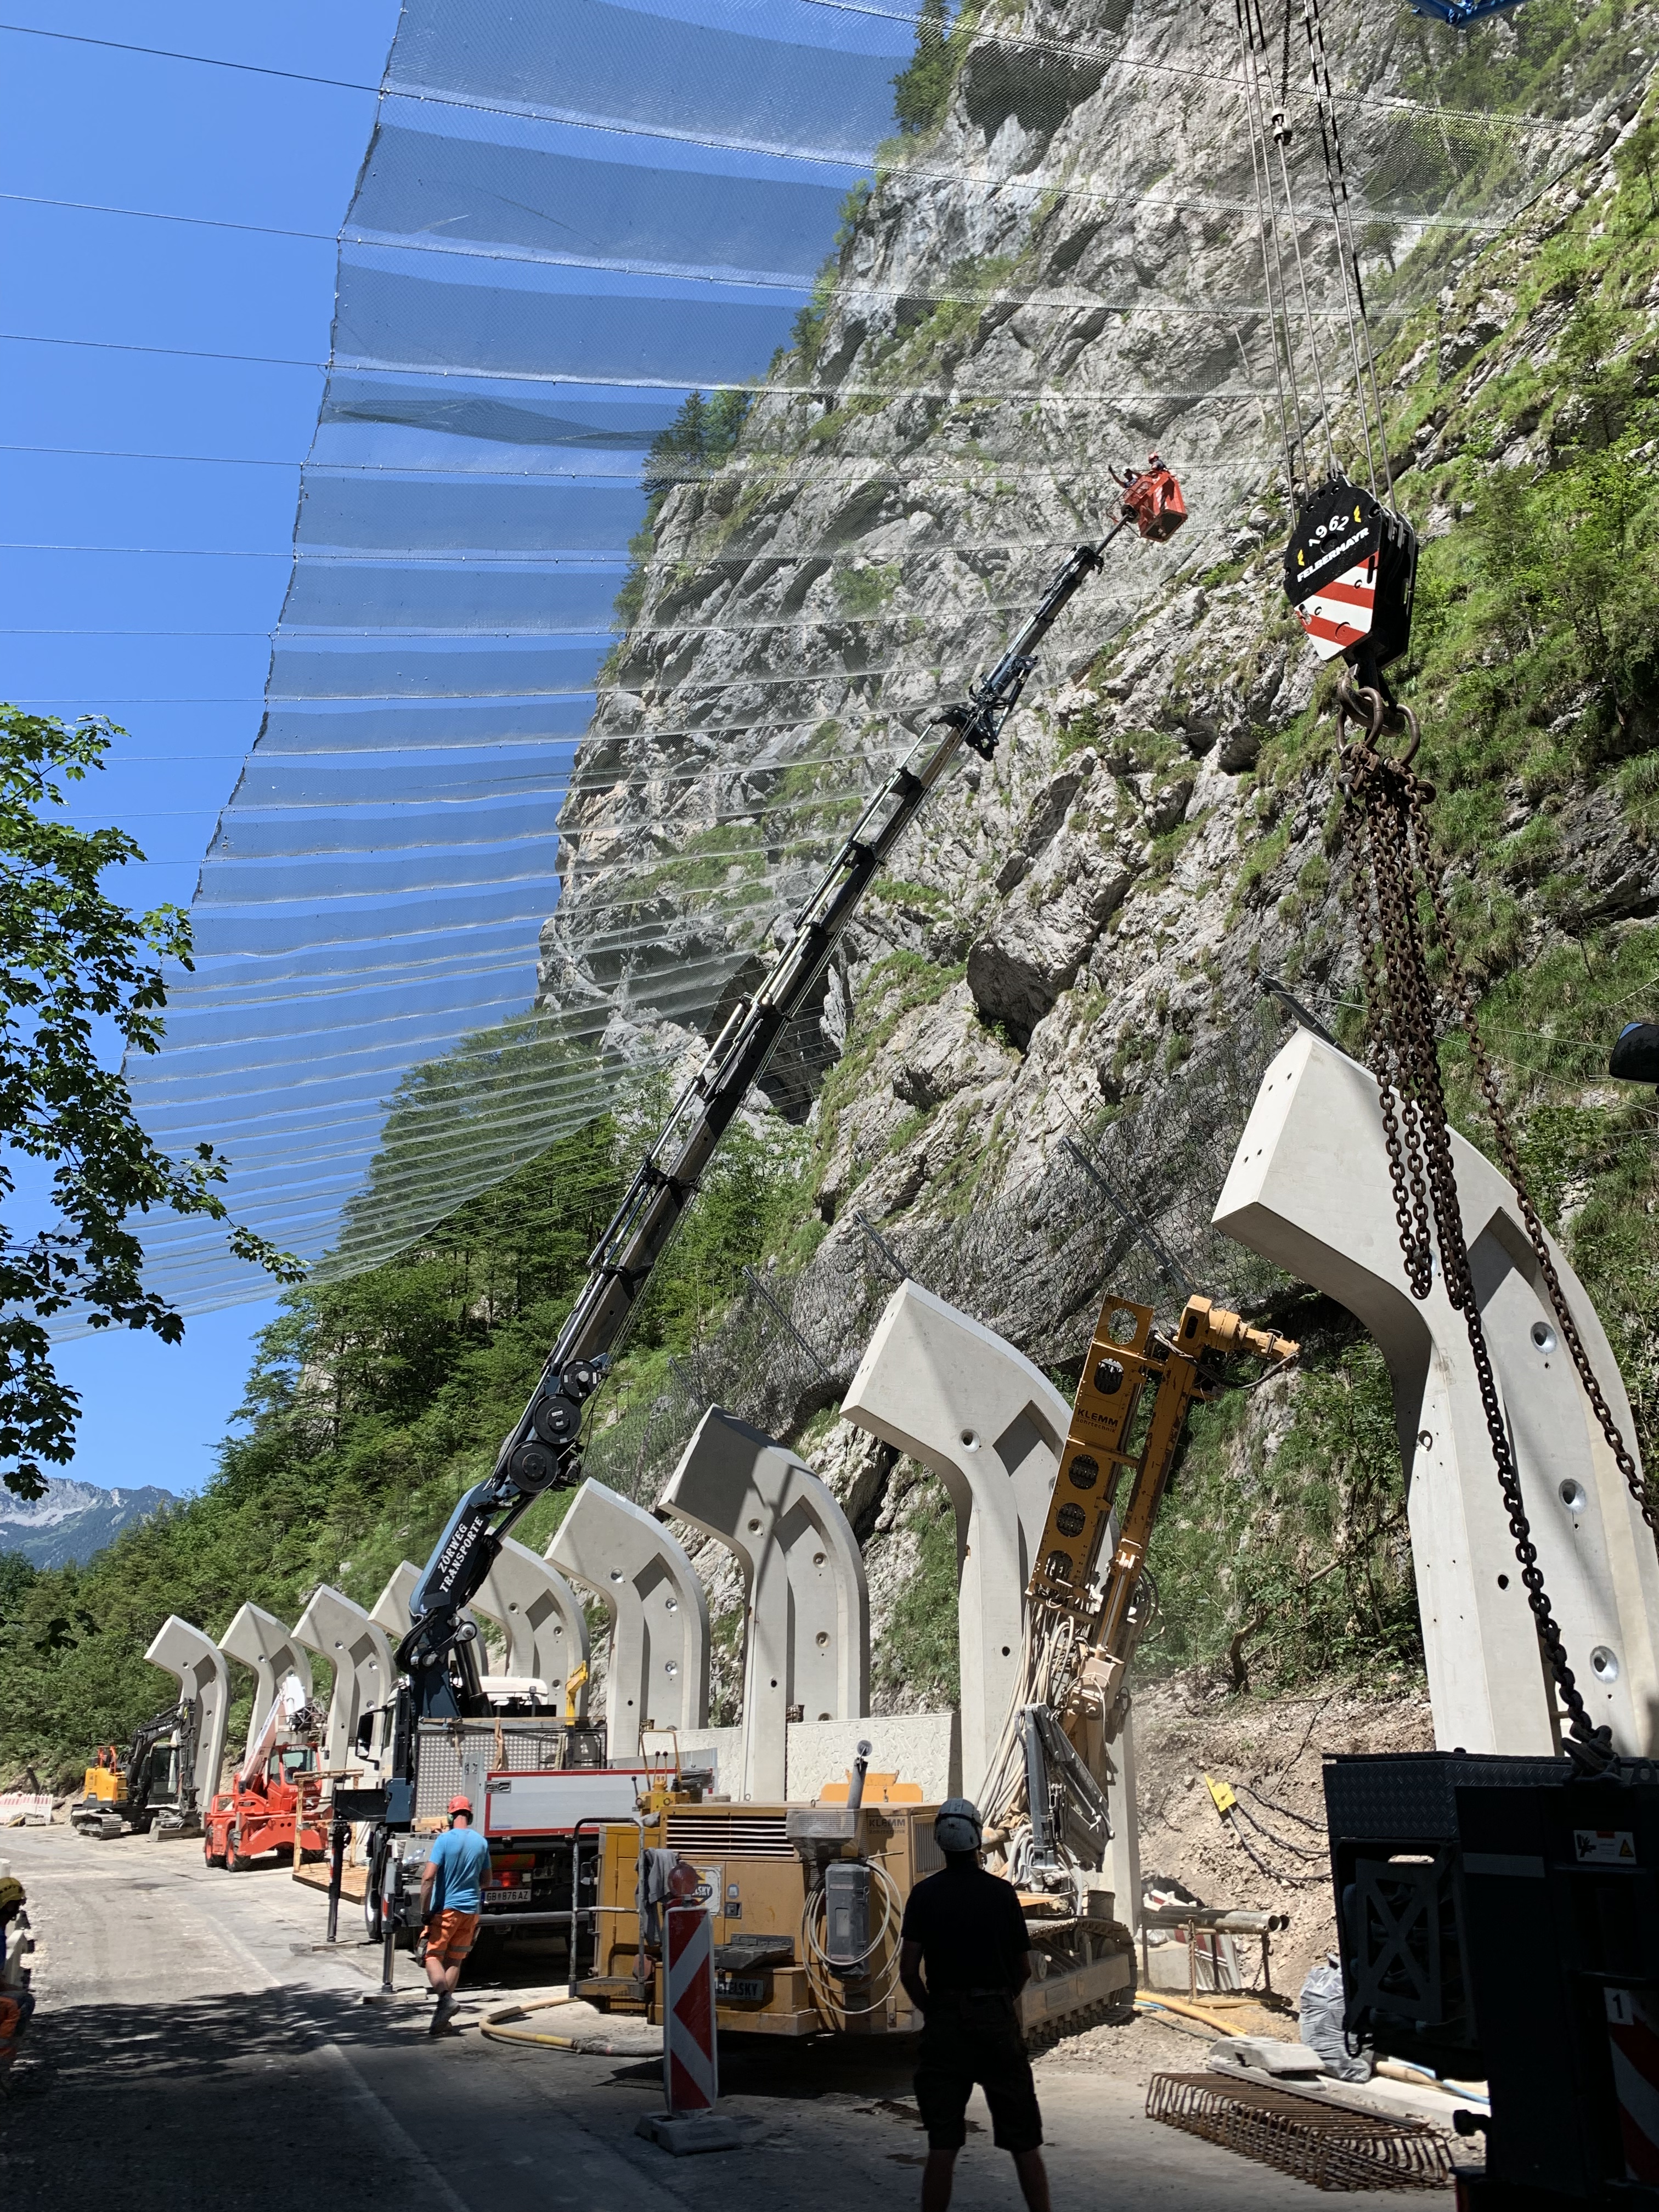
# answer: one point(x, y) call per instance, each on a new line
point(1125, 1206)
point(569, 221)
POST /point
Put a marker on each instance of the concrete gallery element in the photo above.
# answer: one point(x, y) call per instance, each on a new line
point(955, 1395)
point(258, 1639)
point(807, 1647)
point(1309, 1189)
point(390, 1611)
point(540, 1617)
point(355, 1647)
point(198, 1665)
point(657, 1674)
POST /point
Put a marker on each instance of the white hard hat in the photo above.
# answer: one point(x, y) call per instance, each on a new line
point(956, 1825)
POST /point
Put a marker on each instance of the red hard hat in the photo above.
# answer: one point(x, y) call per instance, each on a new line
point(461, 1805)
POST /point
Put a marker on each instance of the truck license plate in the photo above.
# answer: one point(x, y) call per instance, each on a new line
point(742, 1987)
point(509, 1897)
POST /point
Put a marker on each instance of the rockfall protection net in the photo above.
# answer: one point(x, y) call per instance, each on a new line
point(572, 219)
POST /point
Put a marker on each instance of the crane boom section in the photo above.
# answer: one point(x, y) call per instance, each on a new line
point(542, 1450)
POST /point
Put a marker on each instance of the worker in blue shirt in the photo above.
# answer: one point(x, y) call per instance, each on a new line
point(452, 1903)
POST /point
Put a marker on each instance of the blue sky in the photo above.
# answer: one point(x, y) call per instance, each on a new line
point(171, 640)
point(170, 266)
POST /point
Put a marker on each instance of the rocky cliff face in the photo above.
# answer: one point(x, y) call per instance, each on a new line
point(1061, 277)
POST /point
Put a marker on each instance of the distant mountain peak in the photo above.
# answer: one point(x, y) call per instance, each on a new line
point(73, 1520)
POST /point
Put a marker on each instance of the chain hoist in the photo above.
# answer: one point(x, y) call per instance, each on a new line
point(1390, 797)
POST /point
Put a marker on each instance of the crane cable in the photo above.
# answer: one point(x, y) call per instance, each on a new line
point(1336, 184)
point(1390, 797)
point(1294, 437)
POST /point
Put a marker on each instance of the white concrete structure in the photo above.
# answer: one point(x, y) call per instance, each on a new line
point(357, 1648)
point(1309, 1189)
point(540, 1617)
point(923, 1748)
point(807, 1644)
point(657, 1673)
point(390, 1611)
point(986, 1421)
point(198, 1665)
point(258, 1639)
point(957, 1397)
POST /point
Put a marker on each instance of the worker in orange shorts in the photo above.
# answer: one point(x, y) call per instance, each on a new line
point(452, 1900)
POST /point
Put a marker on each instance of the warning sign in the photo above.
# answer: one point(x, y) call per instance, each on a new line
point(1604, 1846)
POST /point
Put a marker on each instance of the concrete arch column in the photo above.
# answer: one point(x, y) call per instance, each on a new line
point(938, 1385)
point(807, 1604)
point(1309, 1189)
point(197, 1666)
point(390, 1611)
point(257, 1639)
point(953, 1395)
point(540, 1617)
point(356, 1647)
point(657, 1672)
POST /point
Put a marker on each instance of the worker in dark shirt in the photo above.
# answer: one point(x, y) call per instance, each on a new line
point(964, 1960)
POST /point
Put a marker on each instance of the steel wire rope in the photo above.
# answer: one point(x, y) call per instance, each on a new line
point(386, 87)
point(1336, 182)
point(1281, 132)
point(1343, 247)
point(1267, 215)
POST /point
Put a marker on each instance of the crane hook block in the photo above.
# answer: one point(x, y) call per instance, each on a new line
point(1350, 572)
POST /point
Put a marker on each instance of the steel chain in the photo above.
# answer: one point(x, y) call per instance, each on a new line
point(1390, 797)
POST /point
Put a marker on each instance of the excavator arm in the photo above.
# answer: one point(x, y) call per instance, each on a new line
point(542, 1452)
point(1128, 1423)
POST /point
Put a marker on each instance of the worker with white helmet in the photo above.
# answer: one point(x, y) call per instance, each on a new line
point(966, 1958)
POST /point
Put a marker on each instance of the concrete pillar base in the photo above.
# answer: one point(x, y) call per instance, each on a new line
point(685, 2133)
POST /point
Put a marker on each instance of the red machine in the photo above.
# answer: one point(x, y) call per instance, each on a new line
point(258, 1813)
point(1152, 499)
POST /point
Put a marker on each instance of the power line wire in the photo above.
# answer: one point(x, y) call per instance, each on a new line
point(163, 214)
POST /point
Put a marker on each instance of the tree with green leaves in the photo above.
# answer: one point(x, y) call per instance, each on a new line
point(921, 91)
point(77, 973)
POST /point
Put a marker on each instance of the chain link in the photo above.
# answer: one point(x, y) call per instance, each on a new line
point(1390, 797)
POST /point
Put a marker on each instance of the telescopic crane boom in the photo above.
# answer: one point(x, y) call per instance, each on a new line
point(542, 1451)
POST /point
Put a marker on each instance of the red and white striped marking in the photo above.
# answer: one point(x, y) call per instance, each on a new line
point(1635, 2081)
point(690, 2060)
point(1339, 614)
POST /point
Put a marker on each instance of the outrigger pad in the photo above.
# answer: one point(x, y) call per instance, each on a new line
point(1349, 573)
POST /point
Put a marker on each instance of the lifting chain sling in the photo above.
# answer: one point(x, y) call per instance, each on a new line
point(1390, 797)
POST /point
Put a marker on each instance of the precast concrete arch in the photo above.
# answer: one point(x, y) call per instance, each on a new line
point(657, 1672)
point(357, 1648)
point(257, 1639)
point(198, 1665)
point(1309, 1189)
point(807, 1647)
point(540, 1617)
point(951, 1392)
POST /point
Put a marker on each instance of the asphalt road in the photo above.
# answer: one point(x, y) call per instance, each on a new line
point(192, 2045)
